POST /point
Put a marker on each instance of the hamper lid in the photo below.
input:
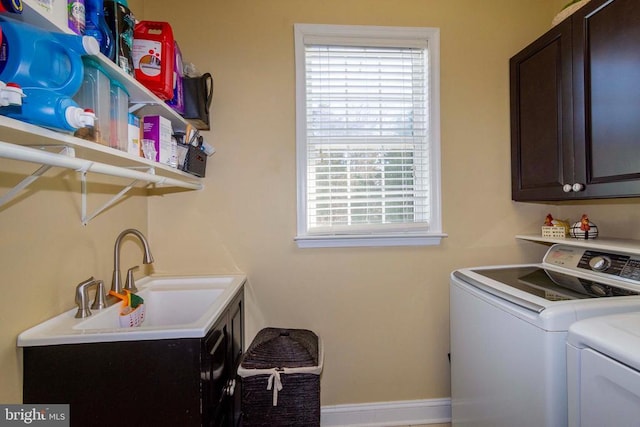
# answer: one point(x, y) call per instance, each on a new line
point(282, 348)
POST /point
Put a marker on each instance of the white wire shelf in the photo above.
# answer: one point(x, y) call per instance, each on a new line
point(25, 142)
point(47, 148)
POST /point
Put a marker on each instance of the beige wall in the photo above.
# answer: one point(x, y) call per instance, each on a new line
point(382, 312)
point(45, 251)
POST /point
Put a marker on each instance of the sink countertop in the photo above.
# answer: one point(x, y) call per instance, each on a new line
point(66, 329)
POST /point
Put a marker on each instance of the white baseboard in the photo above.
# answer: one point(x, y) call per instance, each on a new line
point(385, 414)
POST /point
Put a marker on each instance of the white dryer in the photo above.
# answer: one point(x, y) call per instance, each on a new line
point(603, 371)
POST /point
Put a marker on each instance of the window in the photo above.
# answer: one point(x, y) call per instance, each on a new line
point(368, 148)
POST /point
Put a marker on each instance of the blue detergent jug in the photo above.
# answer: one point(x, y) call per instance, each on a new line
point(48, 66)
point(96, 27)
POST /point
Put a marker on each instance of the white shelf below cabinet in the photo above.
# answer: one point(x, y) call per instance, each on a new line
point(602, 244)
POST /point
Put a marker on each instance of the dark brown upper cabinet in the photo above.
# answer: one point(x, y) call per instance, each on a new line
point(575, 107)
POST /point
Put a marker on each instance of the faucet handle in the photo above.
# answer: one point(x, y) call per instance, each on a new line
point(100, 300)
point(130, 284)
point(81, 298)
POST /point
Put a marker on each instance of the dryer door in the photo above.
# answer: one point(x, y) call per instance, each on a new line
point(609, 392)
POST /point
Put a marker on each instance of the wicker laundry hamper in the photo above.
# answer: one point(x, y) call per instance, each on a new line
point(280, 374)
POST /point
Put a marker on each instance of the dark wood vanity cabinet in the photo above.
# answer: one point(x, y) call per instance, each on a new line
point(575, 107)
point(172, 382)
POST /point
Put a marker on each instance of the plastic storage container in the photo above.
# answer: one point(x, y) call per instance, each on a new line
point(119, 116)
point(154, 57)
point(48, 66)
point(280, 374)
point(95, 94)
point(192, 159)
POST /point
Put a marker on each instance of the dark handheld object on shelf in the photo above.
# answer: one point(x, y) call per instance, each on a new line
point(198, 94)
point(121, 22)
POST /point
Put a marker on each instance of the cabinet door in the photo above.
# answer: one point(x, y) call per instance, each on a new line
point(607, 98)
point(213, 374)
point(134, 383)
point(236, 325)
point(542, 117)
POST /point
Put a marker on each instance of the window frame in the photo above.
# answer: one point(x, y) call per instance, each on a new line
point(379, 37)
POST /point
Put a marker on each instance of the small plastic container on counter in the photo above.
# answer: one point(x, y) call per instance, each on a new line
point(119, 116)
point(95, 93)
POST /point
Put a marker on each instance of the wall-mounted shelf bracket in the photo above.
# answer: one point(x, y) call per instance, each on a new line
point(86, 218)
point(66, 158)
point(11, 194)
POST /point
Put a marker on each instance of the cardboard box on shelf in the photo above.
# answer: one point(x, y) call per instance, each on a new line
point(133, 140)
point(156, 140)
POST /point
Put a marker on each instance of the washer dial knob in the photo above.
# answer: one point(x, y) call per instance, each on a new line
point(598, 290)
point(599, 263)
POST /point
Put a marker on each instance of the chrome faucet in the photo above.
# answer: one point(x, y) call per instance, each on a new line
point(82, 299)
point(116, 283)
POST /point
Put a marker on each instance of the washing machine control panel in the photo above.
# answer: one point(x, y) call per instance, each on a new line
point(605, 263)
point(631, 270)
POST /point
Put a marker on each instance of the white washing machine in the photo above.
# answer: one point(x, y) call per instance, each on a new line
point(603, 371)
point(509, 328)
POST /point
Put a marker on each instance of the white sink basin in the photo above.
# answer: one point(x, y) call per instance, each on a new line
point(164, 306)
point(175, 307)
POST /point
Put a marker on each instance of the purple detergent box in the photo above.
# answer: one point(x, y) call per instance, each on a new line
point(156, 140)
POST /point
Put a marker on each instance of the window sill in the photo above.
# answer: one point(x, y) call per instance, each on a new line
point(424, 239)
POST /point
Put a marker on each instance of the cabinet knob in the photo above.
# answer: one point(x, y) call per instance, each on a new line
point(230, 389)
point(568, 188)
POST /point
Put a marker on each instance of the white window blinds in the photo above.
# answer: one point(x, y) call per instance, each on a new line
point(366, 136)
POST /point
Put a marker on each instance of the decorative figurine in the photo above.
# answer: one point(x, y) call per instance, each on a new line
point(584, 229)
point(548, 221)
point(554, 228)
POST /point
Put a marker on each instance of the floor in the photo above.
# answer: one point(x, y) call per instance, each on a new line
point(430, 425)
